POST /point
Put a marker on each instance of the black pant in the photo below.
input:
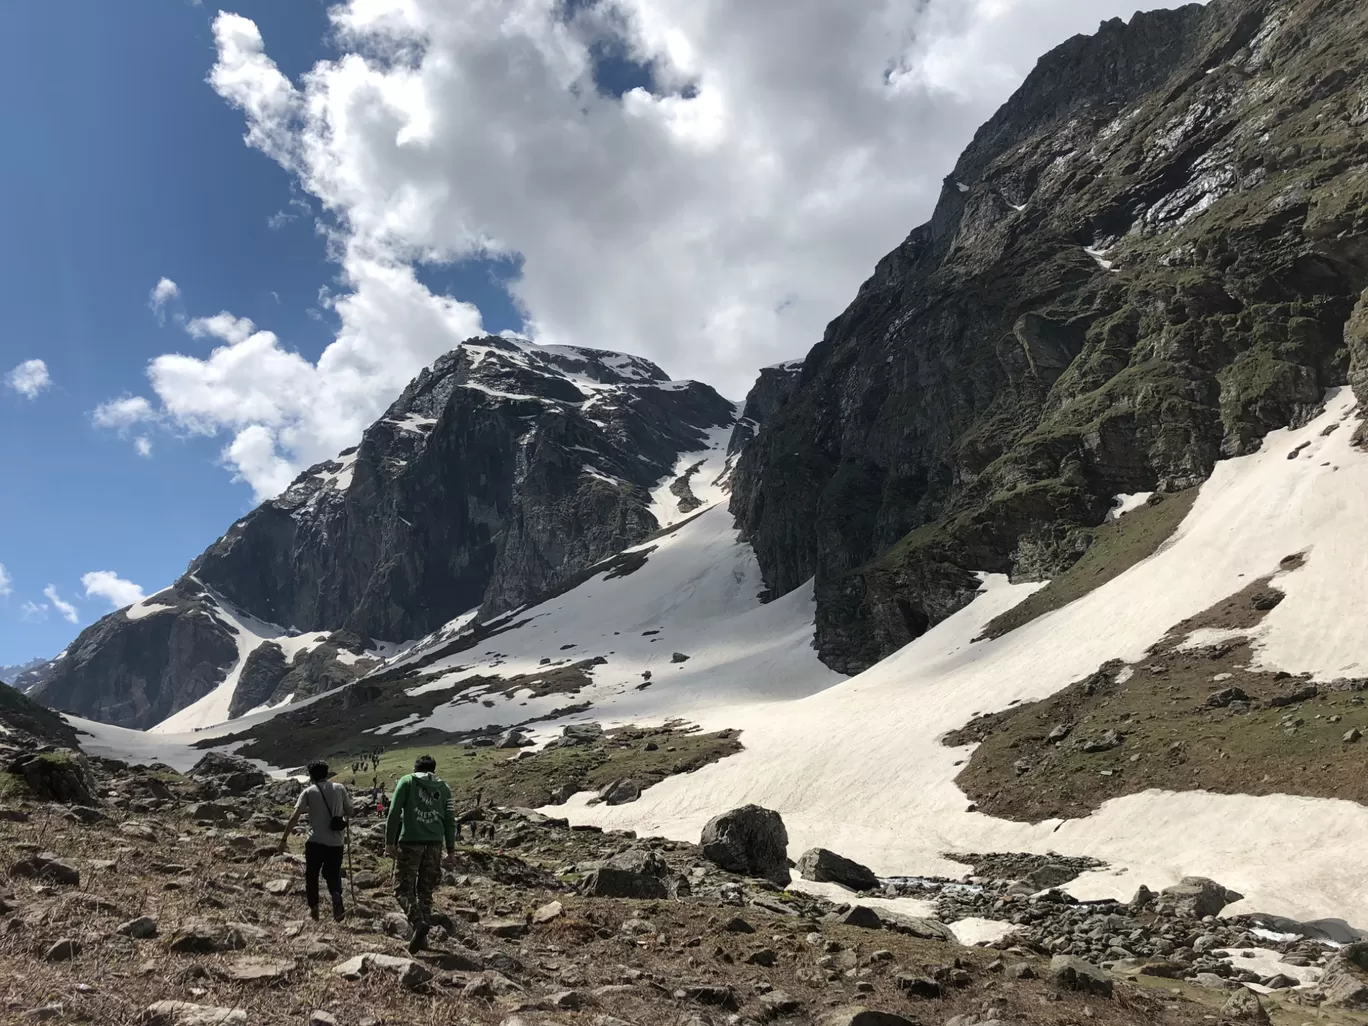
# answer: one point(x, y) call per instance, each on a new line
point(326, 858)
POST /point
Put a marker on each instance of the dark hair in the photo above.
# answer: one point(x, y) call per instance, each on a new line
point(318, 770)
point(425, 764)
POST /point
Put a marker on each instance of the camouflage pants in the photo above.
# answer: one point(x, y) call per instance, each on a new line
point(417, 872)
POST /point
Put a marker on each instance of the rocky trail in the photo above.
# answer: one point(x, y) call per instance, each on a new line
point(134, 894)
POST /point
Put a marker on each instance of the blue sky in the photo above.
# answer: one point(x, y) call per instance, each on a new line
point(130, 169)
point(700, 182)
point(122, 166)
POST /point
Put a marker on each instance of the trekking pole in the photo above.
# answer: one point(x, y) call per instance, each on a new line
point(351, 877)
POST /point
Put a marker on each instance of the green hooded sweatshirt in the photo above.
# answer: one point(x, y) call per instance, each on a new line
point(421, 812)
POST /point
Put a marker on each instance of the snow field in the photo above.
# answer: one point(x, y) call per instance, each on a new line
point(858, 766)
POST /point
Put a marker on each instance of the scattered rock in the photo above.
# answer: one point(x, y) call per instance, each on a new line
point(201, 937)
point(1072, 973)
point(48, 868)
point(411, 974)
point(1221, 699)
point(63, 950)
point(183, 1013)
point(551, 910)
point(918, 986)
point(1352, 735)
point(678, 657)
point(751, 841)
point(230, 773)
point(1199, 897)
point(252, 969)
point(142, 928)
point(862, 916)
point(1301, 694)
point(620, 792)
point(858, 1015)
point(777, 1004)
point(738, 925)
point(608, 882)
point(1244, 1006)
point(822, 866)
point(322, 1018)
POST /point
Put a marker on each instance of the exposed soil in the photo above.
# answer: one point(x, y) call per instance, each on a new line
point(1116, 547)
point(712, 956)
point(1175, 726)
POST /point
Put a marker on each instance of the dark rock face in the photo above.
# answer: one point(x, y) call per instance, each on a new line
point(750, 840)
point(1137, 268)
point(503, 471)
point(57, 775)
point(137, 672)
point(493, 478)
point(771, 390)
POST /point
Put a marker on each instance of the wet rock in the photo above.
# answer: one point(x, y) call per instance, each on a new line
point(824, 866)
point(751, 841)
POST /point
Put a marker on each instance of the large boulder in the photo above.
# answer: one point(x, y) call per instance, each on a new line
point(232, 774)
point(1070, 973)
point(858, 1015)
point(608, 882)
point(751, 841)
point(1244, 1006)
point(824, 866)
point(1345, 983)
point(57, 775)
point(1199, 897)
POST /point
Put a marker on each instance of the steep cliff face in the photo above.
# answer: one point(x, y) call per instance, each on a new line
point(1145, 261)
point(771, 390)
point(501, 472)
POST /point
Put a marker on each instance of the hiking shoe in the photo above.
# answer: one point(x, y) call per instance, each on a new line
point(313, 913)
point(419, 941)
point(338, 910)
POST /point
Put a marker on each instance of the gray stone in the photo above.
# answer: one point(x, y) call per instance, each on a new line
point(620, 792)
point(1199, 897)
point(750, 841)
point(824, 866)
point(48, 868)
point(1071, 973)
point(1244, 1006)
point(858, 1015)
point(63, 950)
point(607, 882)
point(142, 928)
point(202, 937)
point(183, 1013)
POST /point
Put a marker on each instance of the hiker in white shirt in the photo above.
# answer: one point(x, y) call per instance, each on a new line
point(329, 807)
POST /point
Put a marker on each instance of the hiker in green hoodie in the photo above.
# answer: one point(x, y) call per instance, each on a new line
point(421, 818)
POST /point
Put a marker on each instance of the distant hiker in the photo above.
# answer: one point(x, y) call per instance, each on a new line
point(328, 806)
point(421, 818)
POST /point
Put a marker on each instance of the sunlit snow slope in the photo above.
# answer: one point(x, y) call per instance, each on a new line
point(859, 766)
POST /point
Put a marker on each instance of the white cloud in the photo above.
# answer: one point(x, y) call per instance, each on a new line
point(108, 585)
point(222, 325)
point(162, 293)
point(143, 446)
point(124, 412)
point(68, 611)
point(29, 378)
point(6, 581)
point(716, 225)
point(33, 612)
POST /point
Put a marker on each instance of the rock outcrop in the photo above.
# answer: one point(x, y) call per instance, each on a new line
point(503, 470)
point(1145, 261)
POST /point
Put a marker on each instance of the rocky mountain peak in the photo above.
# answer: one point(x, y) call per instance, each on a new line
point(503, 470)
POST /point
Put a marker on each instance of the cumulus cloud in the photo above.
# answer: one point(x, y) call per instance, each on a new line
point(108, 585)
point(124, 412)
point(6, 582)
point(142, 445)
point(66, 609)
point(162, 293)
point(713, 220)
point(29, 378)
